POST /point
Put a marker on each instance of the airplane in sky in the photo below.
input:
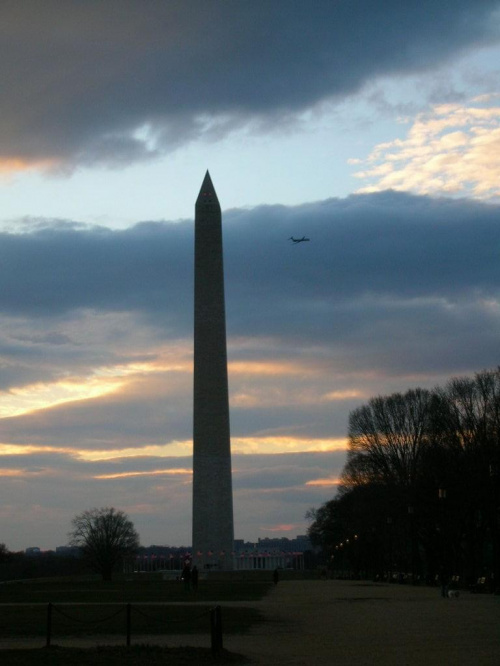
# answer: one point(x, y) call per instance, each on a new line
point(299, 240)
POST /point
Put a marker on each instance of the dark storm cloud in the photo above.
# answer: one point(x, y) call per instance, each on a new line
point(382, 251)
point(372, 260)
point(55, 270)
point(80, 79)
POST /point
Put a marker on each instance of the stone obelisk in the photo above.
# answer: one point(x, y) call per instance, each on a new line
point(213, 529)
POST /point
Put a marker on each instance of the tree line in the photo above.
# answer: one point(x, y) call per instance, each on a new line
point(419, 493)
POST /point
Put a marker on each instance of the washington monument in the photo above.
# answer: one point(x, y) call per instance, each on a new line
point(213, 529)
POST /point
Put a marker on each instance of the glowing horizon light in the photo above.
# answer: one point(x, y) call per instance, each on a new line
point(288, 527)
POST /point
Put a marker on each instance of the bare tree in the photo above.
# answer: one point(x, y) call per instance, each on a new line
point(4, 552)
point(387, 438)
point(105, 537)
point(472, 424)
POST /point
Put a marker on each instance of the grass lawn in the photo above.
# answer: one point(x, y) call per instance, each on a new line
point(92, 608)
point(116, 656)
point(94, 620)
point(130, 590)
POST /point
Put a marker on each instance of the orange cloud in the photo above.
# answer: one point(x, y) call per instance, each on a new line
point(12, 165)
point(12, 472)
point(157, 472)
point(266, 368)
point(173, 449)
point(20, 450)
point(239, 446)
point(331, 481)
point(103, 381)
point(335, 396)
point(262, 445)
point(23, 473)
point(279, 528)
point(274, 396)
point(285, 444)
point(35, 397)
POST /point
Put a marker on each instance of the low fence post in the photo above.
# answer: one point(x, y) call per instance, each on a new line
point(216, 629)
point(129, 623)
point(49, 625)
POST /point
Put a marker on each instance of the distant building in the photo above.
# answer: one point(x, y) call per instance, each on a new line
point(267, 554)
point(281, 553)
point(68, 551)
point(33, 551)
point(158, 558)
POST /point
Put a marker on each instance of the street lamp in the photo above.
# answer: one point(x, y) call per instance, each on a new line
point(411, 514)
point(389, 529)
point(495, 525)
point(444, 574)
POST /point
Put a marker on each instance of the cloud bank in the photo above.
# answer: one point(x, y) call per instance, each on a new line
point(96, 341)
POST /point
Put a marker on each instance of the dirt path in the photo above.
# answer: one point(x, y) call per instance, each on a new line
point(316, 623)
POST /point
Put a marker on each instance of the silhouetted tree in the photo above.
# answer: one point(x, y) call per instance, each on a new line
point(421, 481)
point(4, 552)
point(472, 426)
point(105, 536)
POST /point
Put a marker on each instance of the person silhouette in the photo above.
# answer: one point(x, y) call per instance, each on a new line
point(194, 578)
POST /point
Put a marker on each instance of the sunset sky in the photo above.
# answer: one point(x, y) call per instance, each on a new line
point(373, 128)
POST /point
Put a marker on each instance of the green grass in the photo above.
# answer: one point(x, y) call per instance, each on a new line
point(116, 656)
point(95, 620)
point(91, 608)
point(130, 591)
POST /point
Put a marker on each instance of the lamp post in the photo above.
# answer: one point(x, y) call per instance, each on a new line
point(389, 530)
point(495, 525)
point(411, 515)
point(442, 542)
